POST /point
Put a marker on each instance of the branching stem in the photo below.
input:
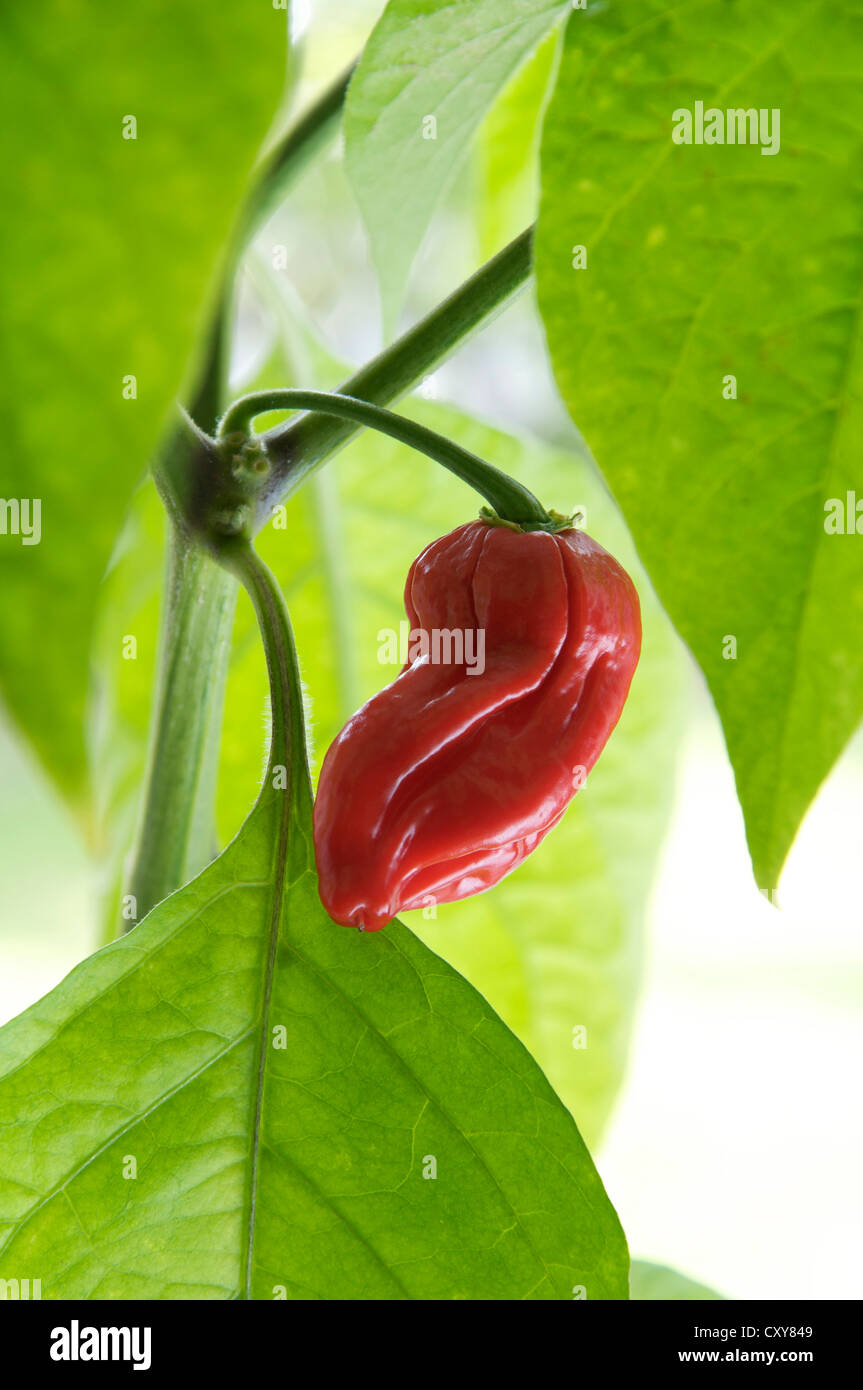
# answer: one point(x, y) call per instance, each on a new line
point(508, 498)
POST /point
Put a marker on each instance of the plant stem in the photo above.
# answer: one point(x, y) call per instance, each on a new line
point(307, 442)
point(508, 498)
point(285, 162)
point(176, 835)
point(288, 738)
point(292, 154)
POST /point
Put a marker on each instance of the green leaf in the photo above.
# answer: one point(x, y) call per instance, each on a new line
point(705, 262)
point(240, 1099)
point(429, 74)
point(107, 250)
point(658, 1283)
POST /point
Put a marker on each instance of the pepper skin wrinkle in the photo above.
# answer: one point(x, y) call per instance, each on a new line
point(447, 779)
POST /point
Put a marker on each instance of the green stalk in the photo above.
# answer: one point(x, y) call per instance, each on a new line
point(509, 499)
point(304, 444)
point(281, 167)
point(292, 154)
point(288, 738)
point(176, 833)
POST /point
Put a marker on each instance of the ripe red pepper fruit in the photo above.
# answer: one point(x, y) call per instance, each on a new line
point(444, 781)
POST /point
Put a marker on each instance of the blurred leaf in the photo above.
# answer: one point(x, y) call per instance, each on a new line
point(107, 248)
point(430, 71)
point(508, 151)
point(657, 1283)
point(283, 1087)
point(706, 262)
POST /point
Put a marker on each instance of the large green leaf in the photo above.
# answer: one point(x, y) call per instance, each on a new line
point(556, 948)
point(107, 249)
point(705, 262)
point(657, 1283)
point(241, 1099)
point(429, 73)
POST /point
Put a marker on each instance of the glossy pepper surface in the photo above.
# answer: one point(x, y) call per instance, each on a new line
point(444, 781)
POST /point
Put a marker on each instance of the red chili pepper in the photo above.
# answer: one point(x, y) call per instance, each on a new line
point(444, 781)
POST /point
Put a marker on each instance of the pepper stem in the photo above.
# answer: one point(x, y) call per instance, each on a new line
point(510, 501)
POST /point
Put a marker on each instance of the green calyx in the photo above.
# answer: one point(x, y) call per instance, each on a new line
point(557, 521)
